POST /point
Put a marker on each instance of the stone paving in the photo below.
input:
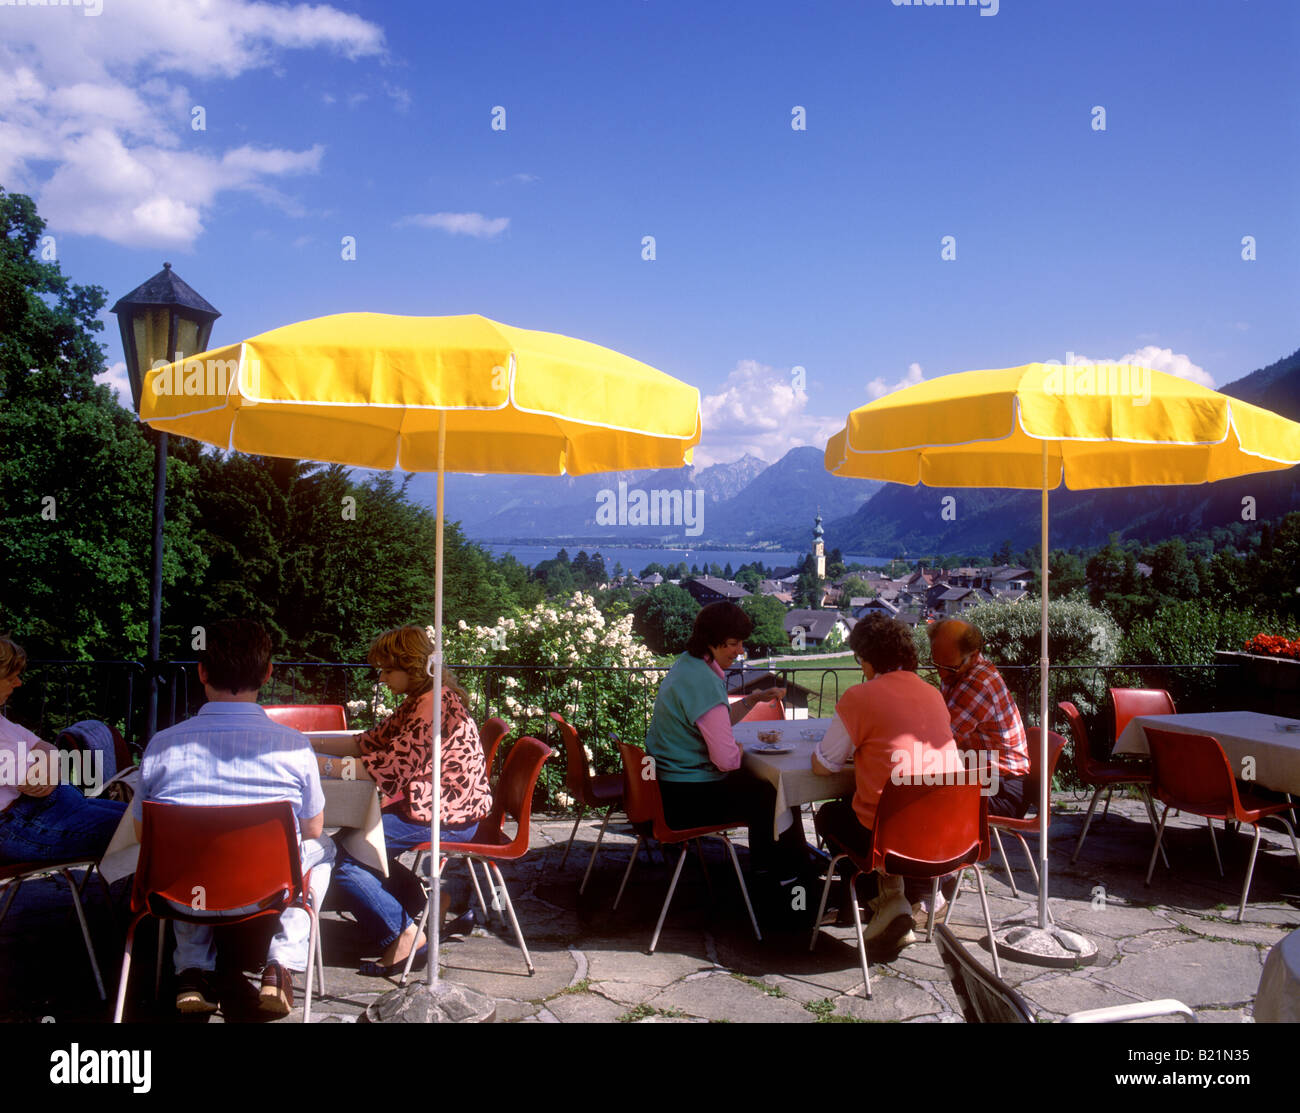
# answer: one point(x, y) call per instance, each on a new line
point(1176, 938)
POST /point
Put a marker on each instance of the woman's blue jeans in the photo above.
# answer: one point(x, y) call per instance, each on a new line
point(62, 825)
point(385, 906)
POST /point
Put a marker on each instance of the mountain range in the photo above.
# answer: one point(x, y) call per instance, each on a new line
point(750, 504)
point(746, 503)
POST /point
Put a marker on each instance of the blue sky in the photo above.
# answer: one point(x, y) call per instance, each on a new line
point(775, 247)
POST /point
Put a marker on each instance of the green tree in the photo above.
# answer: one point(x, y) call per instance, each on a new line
point(1172, 572)
point(1186, 632)
point(664, 618)
point(76, 470)
point(855, 587)
point(1077, 634)
point(769, 633)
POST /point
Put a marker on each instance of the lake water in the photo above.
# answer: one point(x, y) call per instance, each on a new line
point(634, 560)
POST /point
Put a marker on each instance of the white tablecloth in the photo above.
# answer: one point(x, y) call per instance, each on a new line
point(1278, 999)
point(791, 773)
point(1242, 734)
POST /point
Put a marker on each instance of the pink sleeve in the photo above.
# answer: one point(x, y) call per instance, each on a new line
point(715, 725)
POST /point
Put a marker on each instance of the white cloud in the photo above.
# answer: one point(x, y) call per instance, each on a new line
point(116, 378)
point(459, 224)
point(518, 179)
point(150, 196)
point(759, 411)
point(102, 101)
point(1158, 359)
point(878, 388)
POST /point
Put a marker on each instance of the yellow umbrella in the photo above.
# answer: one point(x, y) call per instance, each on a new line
point(429, 394)
point(1091, 425)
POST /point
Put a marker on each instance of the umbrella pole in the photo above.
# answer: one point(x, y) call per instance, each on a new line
point(434, 919)
point(1044, 785)
point(1048, 944)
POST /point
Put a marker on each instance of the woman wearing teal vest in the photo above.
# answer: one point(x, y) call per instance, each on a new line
point(697, 759)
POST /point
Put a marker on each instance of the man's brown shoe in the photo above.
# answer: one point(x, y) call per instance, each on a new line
point(276, 998)
point(195, 992)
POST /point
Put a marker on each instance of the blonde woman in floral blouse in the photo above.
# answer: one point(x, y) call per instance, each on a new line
point(398, 756)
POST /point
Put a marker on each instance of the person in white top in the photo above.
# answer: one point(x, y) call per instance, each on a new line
point(42, 820)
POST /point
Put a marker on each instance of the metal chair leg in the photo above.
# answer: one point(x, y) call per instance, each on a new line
point(119, 1006)
point(988, 921)
point(312, 945)
point(478, 892)
point(85, 931)
point(1215, 843)
point(821, 908)
point(857, 927)
point(421, 924)
point(1160, 834)
point(934, 899)
point(744, 889)
point(510, 908)
point(997, 839)
point(630, 863)
point(582, 810)
point(1151, 814)
point(961, 880)
point(1250, 872)
point(672, 888)
point(1087, 821)
point(596, 849)
point(1106, 810)
point(162, 943)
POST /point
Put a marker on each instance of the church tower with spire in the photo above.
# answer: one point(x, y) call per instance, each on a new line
point(819, 548)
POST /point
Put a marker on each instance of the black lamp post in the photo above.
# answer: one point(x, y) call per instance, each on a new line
point(162, 320)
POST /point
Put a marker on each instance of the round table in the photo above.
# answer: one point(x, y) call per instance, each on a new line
point(1278, 999)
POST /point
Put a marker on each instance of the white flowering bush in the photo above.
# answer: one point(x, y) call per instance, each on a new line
point(559, 658)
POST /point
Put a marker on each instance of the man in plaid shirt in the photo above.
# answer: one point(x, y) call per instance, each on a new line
point(984, 716)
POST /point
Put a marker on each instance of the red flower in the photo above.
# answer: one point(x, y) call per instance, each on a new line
point(1274, 645)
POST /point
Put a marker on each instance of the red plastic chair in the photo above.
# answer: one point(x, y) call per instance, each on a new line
point(513, 797)
point(494, 732)
point(921, 831)
point(245, 860)
point(1191, 773)
point(645, 810)
point(1131, 702)
point(13, 874)
point(605, 791)
point(1019, 827)
point(1101, 775)
point(308, 716)
point(762, 712)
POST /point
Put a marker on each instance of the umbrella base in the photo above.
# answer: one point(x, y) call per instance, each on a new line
point(1050, 946)
point(442, 1003)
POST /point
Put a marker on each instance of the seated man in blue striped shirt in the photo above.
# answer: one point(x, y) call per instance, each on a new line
point(232, 753)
